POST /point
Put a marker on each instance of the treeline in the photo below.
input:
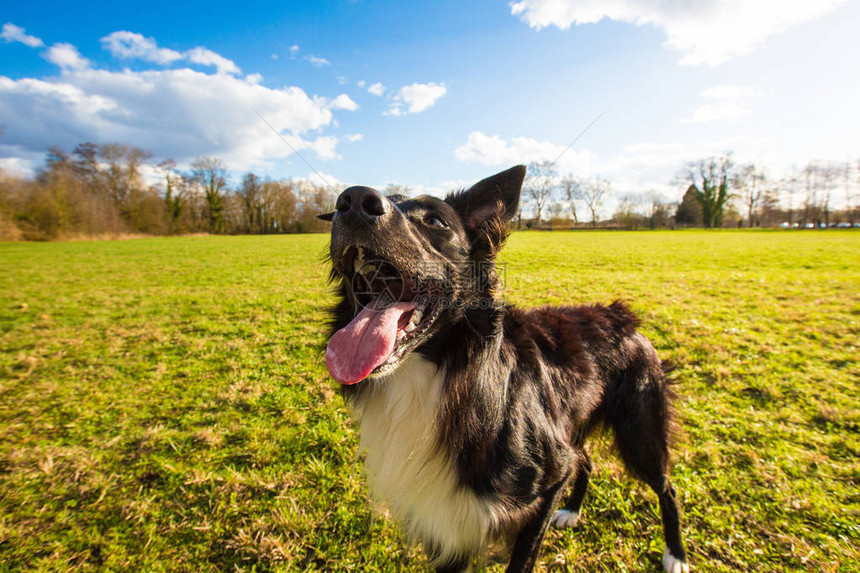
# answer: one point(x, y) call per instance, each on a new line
point(114, 189)
point(717, 192)
point(100, 190)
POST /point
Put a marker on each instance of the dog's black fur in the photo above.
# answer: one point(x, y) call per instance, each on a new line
point(522, 388)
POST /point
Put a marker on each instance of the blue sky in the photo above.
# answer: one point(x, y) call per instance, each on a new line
point(435, 95)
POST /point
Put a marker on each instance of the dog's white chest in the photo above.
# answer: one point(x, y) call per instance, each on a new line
point(406, 470)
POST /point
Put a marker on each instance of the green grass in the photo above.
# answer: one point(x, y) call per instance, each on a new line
point(164, 404)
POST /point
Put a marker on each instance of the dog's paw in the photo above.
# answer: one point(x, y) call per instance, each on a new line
point(565, 518)
point(672, 564)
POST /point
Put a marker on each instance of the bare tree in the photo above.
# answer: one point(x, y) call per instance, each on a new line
point(172, 194)
point(122, 171)
point(397, 189)
point(626, 215)
point(12, 190)
point(851, 186)
point(658, 210)
point(829, 177)
point(750, 181)
point(572, 191)
point(847, 173)
point(556, 210)
point(284, 203)
point(594, 192)
point(812, 185)
point(313, 200)
point(210, 174)
point(252, 201)
point(790, 183)
point(86, 164)
point(769, 208)
point(540, 185)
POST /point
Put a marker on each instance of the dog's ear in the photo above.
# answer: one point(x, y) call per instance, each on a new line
point(488, 206)
point(326, 216)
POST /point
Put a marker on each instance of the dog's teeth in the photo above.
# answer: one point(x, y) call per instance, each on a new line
point(417, 315)
point(413, 321)
point(358, 261)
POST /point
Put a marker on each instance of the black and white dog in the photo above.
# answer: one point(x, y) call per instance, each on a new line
point(473, 413)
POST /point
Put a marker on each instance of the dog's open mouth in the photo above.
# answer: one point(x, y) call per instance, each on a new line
point(394, 311)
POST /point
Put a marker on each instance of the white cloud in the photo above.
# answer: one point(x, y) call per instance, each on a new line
point(636, 170)
point(71, 97)
point(376, 89)
point(66, 56)
point(361, 83)
point(727, 111)
point(254, 79)
point(13, 33)
point(645, 166)
point(321, 178)
point(441, 189)
point(706, 31)
point(418, 97)
point(342, 101)
point(206, 57)
point(323, 146)
point(124, 44)
point(294, 49)
point(317, 61)
point(179, 113)
point(731, 91)
point(16, 166)
point(495, 151)
point(19, 161)
point(728, 103)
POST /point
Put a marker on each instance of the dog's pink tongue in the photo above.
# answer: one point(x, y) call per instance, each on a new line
point(365, 343)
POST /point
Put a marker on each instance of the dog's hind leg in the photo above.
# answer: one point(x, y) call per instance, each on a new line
point(674, 558)
point(568, 516)
point(653, 472)
point(640, 414)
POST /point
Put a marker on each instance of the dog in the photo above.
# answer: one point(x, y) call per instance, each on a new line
point(473, 413)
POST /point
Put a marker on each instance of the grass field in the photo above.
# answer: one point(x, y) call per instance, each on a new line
point(164, 404)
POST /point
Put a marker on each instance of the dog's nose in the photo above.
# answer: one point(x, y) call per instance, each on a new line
point(363, 201)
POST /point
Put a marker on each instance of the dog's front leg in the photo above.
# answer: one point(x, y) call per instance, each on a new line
point(530, 537)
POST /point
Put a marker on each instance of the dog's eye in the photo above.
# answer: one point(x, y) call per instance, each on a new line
point(434, 221)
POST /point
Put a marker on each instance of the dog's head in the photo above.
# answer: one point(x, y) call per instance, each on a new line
point(408, 269)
